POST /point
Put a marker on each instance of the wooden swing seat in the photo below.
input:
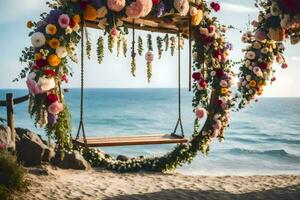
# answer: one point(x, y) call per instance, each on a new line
point(130, 140)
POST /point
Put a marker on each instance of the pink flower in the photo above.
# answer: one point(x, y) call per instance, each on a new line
point(2, 146)
point(139, 8)
point(200, 113)
point(223, 83)
point(284, 66)
point(182, 6)
point(217, 125)
point(149, 57)
point(63, 21)
point(33, 87)
point(55, 108)
point(114, 32)
point(260, 35)
point(116, 5)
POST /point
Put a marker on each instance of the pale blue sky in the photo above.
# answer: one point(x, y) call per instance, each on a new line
point(115, 72)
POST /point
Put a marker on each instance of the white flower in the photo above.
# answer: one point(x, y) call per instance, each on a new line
point(193, 11)
point(250, 55)
point(46, 84)
point(102, 23)
point(182, 6)
point(264, 50)
point(69, 30)
point(257, 71)
point(248, 77)
point(204, 31)
point(212, 73)
point(247, 63)
point(76, 28)
point(38, 39)
point(250, 91)
point(295, 40)
point(223, 83)
point(256, 45)
point(61, 52)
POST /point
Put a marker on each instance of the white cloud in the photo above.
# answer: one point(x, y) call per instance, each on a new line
point(296, 58)
point(13, 10)
point(237, 8)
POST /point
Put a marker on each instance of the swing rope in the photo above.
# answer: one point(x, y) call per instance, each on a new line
point(179, 121)
point(81, 125)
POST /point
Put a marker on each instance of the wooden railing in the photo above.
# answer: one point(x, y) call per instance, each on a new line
point(9, 104)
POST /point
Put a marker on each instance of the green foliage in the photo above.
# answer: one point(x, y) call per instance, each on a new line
point(140, 45)
point(111, 43)
point(149, 42)
point(149, 71)
point(159, 42)
point(11, 175)
point(88, 45)
point(100, 49)
point(124, 46)
point(166, 40)
point(61, 131)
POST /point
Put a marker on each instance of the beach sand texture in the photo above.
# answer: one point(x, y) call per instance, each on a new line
point(50, 183)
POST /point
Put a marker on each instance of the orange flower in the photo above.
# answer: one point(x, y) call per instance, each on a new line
point(51, 29)
point(260, 84)
point(54, 60)
point(90, 13)
point(224, 90)
point(252, 83)
point(54, 43)
point(260, 91)
point(38, 56)
point(76, 19)
point(29, 24)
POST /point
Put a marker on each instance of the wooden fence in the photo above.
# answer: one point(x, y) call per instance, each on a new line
point(9, 104)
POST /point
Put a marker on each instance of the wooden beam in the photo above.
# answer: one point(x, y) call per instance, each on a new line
point(10, 114)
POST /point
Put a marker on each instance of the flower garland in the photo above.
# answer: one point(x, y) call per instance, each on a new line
point(279, 20)
point(56, 35)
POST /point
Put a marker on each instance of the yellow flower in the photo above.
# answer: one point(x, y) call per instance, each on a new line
point(252, 83)
point(224, 90)
point(196, 19)
point(90, 13)
point(54, 60)
point(51, 29)
point(76, 19)
point(29, 24)
point(54, 43)
point(38, 56)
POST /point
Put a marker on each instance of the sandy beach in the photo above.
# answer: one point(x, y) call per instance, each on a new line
point(48, 183)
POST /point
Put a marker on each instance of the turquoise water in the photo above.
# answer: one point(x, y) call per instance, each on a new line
point(262, 139)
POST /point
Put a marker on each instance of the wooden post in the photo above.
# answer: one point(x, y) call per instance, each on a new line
point(10, 114)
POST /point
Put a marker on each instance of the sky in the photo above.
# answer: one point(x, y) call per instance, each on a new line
point(114, 72)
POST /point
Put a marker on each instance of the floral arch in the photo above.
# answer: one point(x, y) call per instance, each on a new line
point(56, 36)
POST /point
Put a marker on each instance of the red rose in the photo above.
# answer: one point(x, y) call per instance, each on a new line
point(218, 54)
point(206, 39)
point(292, 6)
point(72, 23)
point(197, 76)
point(219, 73)
point(49, 72)
point(52, 98)
point(215, 6)
point(40, 63)
point(202, 83)
point(155, 2)
point(263, 65)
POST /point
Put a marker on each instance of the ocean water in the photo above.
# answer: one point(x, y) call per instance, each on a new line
point(262, 139)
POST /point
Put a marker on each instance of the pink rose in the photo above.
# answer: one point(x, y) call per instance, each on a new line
point(55, 108)
point(33, 87)
point(63, 21)
point(200, 113)
point(149, 57)
point(114, 32)
point(2, 146)
point(217, 125)
point(260, 35)
point(135, 9)
point(116, 5)
point(284, 66)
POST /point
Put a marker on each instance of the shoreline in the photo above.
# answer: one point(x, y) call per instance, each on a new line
point(49, 182)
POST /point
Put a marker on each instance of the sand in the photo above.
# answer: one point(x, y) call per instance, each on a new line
point(48, 183)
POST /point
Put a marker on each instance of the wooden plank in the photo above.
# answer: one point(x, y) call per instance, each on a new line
point(131, 140)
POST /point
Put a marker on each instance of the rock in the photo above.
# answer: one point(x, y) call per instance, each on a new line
point(7, 138)
point(31, 150)
point(122, 158)
point(73, 160)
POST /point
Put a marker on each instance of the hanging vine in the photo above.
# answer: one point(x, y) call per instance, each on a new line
point(140, 46)
point(100, 49)
point(159, 42)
